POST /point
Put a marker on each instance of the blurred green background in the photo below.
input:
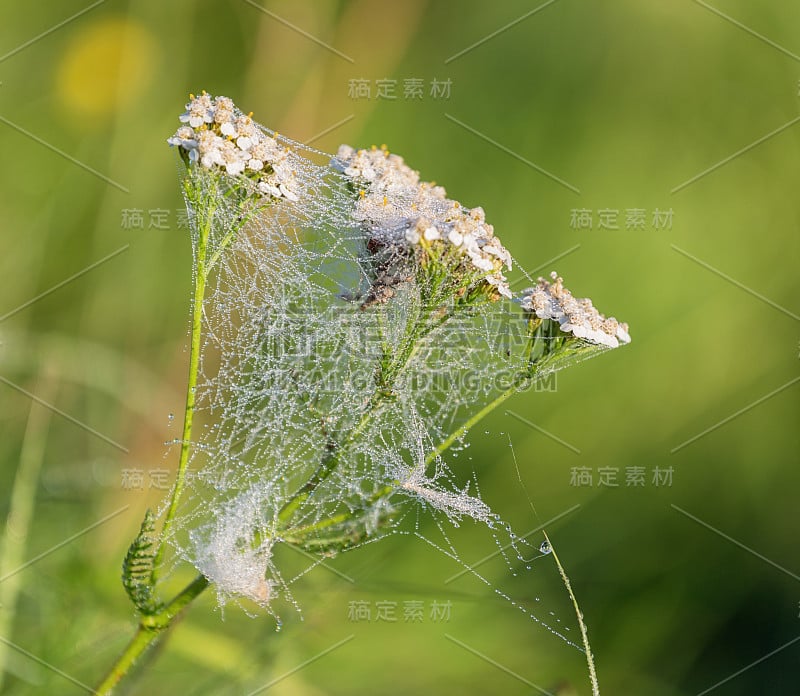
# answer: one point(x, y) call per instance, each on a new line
point(684, 585)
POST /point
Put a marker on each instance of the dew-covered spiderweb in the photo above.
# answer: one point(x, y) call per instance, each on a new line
point(310, 361)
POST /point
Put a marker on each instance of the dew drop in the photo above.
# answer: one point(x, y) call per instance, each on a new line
point(545, 547)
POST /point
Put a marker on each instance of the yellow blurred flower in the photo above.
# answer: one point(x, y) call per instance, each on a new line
point(106, 67)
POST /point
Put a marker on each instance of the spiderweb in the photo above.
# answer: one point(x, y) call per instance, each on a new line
point(299, 312)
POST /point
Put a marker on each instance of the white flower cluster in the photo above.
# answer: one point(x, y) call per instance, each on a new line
point(219, 136)
point(400, 210)
point(574, 315)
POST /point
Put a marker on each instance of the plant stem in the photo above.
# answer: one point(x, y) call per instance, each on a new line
point(471, 423)
point(581, 622)
point(296, 534)
point(242, 219)
point(149, 629)
point(152, 625)
point(200, 278)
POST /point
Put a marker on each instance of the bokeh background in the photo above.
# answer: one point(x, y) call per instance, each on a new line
point(579, 112)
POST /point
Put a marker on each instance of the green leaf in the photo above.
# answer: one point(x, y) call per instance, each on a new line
point(137, 568)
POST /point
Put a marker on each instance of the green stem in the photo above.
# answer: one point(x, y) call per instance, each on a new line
point(296, 534)
point(194, 364)
point(206, 206)
point(471, 423)
point(223, 244)
point(584, 631)
point(242, 219)
point(148, 631)
point(152, 625)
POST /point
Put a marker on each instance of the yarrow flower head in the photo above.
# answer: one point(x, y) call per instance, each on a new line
point(551, 301)
point(220, 137)
point(400, 213)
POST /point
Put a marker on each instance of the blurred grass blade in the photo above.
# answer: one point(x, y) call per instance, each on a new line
point(20, 515)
